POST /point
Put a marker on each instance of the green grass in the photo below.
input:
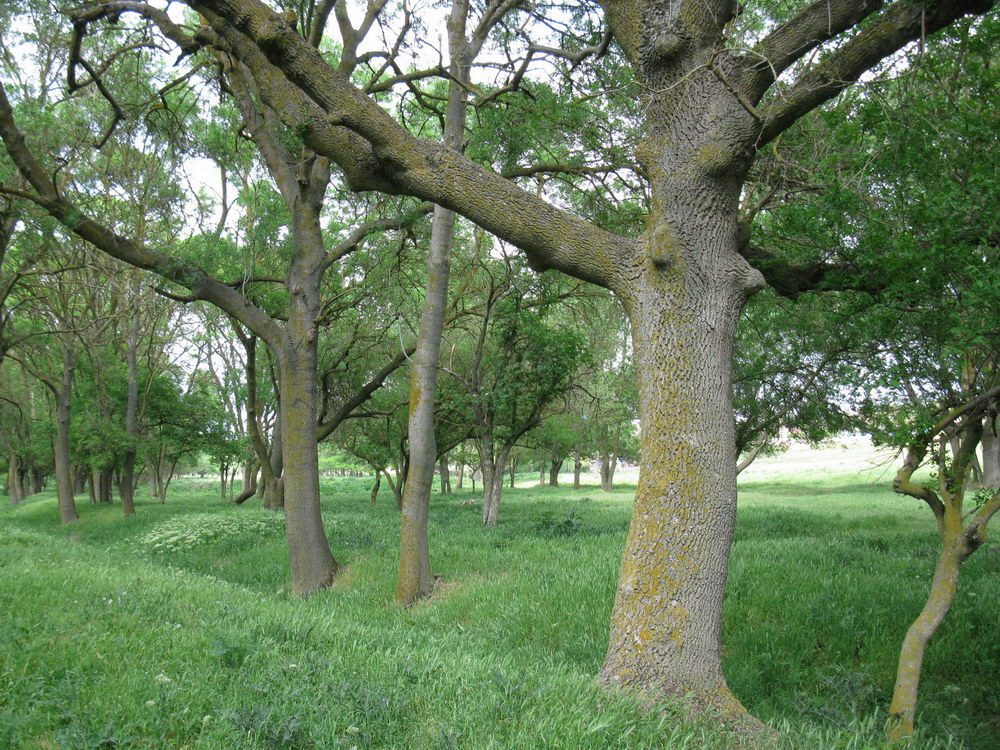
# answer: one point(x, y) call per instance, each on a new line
point(175, 628)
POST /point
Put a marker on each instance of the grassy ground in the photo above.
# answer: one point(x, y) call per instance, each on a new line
point(175, 628)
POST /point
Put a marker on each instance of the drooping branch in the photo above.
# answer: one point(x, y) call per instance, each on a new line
point(897, 26)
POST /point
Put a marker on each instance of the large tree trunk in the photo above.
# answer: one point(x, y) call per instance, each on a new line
point(64, 470)
point(666, 622)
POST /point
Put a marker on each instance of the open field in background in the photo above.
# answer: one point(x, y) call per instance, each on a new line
point(175, 628)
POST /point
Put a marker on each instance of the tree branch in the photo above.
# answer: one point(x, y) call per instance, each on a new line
point(900, 24)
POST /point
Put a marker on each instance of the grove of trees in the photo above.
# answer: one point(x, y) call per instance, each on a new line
point(250, 232)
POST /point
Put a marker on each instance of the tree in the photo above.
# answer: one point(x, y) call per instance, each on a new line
point(716, 87)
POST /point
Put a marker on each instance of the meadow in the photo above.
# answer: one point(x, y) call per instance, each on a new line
point(175, 628)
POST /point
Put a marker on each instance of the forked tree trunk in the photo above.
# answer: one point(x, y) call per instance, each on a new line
point(64, 471)
point(608, 465)
point(493, 473)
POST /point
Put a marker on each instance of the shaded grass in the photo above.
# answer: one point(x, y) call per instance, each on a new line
point(112, 645)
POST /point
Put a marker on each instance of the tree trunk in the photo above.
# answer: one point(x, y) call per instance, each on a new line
point(666, 623)
point(577, 467)
point(126, 488)
point(223, 476)
point(250, 484)
point(608, 464)
point(991, 457)
point(92, 483)
point(554, 467)
point(312, 563)
point(541, 475)
point(13, 478)
point(445, 474)
point(105, 493)
point(274, 491)
point(461, 476)
point(911, 656)
point(64, 473)
point(493, 473)
point(375, 487)
point(415, 578)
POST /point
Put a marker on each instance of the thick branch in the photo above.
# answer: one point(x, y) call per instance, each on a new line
point(550, 237)
point(900, 24)
point(818, 22)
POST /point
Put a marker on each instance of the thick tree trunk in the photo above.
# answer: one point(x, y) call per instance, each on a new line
point(541, 475)
point(666, 622)
point(577, 467)
point(375, 487)
point(64, 472)
point(107, 480)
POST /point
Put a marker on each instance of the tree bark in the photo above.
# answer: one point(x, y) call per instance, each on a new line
point(991, 457)
point(461, 476)
point(312, 563)
point(577, 467)
point(939, 600)
point(64, 473)
point(126, 488)
point(375, 487)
